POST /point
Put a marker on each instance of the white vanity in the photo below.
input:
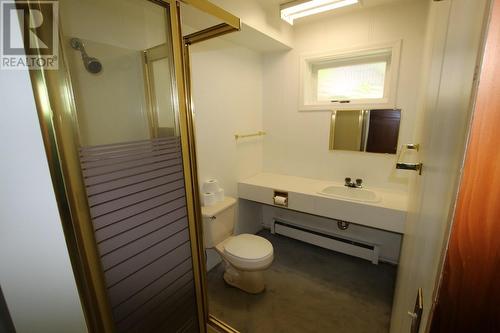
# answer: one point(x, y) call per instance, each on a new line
point(377, 216)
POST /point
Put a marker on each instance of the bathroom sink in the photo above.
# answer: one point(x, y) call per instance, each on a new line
point(348, 193)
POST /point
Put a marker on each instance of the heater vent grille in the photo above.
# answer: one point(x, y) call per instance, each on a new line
point(332, 242)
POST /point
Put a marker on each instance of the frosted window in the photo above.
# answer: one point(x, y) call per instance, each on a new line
point(351, 82)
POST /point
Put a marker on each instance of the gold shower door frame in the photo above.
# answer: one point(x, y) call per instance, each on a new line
point(57, 115)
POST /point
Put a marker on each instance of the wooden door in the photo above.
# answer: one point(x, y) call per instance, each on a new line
point(384, 131)
point(469, 295)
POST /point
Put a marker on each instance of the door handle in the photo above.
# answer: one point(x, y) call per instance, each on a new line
point(416, 315)
point(413, 315)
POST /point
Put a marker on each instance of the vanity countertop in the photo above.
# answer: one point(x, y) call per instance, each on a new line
point(303, 195)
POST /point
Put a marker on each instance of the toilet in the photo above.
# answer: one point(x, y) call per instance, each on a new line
point(246, 256)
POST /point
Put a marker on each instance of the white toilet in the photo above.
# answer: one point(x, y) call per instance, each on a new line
point(246, 256)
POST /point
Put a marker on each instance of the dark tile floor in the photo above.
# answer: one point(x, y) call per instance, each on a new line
point(308, 289)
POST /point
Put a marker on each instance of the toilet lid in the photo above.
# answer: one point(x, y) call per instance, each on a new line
point(248, 246)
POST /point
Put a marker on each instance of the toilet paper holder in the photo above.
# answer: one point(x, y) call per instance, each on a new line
point(280, 198)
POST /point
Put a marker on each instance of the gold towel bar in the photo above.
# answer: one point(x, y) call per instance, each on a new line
point(241, 136)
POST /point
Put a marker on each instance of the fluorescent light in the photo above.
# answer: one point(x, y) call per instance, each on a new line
point(290, 12)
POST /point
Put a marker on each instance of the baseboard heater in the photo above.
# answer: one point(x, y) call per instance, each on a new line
point(336, 243)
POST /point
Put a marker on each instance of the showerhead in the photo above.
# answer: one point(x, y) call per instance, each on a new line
point(92, 65)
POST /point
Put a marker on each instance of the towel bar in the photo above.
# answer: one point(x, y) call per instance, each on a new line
point(409, 166)
point(241, 136)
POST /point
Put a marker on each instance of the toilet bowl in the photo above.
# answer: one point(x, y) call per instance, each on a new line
point(246, 256)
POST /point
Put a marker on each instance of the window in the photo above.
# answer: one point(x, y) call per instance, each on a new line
point(357, 78)
point(352, 81)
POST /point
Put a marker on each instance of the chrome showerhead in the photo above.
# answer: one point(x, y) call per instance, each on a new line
point(92, 65)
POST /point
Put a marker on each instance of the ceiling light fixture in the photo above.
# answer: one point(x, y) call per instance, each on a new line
point(297, 9)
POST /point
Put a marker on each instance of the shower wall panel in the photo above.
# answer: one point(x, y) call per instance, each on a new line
point(138, 207)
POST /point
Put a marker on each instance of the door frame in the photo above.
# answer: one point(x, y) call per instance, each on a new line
point(56, 110)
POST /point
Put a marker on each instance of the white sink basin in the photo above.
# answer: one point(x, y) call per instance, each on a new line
point(349, 193)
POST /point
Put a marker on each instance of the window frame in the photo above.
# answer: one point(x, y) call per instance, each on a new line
point(310, 63)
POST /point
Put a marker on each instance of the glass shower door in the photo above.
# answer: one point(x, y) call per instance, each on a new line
point(131, 160)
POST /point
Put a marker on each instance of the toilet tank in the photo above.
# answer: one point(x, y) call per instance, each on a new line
point(218, 221)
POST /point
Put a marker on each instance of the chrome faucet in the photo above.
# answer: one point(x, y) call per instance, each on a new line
point(357, 184)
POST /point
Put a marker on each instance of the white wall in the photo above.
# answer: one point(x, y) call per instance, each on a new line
point(35, 272)
point(297, 142)
point(111, 105)
point(262, 15)
point(104, 22)
point(227, 95)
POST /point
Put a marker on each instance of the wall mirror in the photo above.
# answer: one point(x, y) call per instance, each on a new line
point(371, 131)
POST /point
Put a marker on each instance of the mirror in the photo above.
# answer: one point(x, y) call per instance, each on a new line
point(371, 131)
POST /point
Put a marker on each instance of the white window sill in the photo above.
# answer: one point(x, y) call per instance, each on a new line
point(347, 106)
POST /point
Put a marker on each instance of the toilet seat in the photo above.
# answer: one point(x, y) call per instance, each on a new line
point(248, 252)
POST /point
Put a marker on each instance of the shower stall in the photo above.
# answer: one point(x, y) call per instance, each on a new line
point(117, 127)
